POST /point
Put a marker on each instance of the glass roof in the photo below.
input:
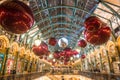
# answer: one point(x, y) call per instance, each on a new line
point(64, 18)
point(61, 18)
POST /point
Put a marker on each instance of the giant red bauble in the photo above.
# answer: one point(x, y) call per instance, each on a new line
point(42, 49)
point(68, 52)
point(15, 16)
point(67, 49)
point(47, 53)
point(98, 37)
point(52, 41)
point(92, 23)
point(83, 56)
point(37, 50)
point(66, 59)
point(74, 52)
point(56, 55)
point(62, 53)
point(82, 43)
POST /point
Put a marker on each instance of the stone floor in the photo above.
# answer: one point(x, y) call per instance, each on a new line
point(66, 77)
point(43, 78)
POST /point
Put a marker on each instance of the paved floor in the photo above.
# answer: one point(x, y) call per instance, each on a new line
point(43, 78)
point(66, 77)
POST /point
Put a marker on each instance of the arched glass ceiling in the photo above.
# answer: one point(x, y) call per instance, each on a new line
point(61, 18)
point(64, 18)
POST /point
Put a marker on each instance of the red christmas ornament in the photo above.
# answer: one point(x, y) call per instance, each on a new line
point(56, 55)
point(62, 53)
point(41, 57)
point(47, 53)
point(74, 52)
point(65, 63)
point(53, 63)
point(67, 49)
point(83, 56)
point(98, 37)
point(92, 23)
point(45, 57)
point(49, 60)
point(37, 50)
point(68, 52)
point(52, 41)
point(66, 59)
point(82, 43)
point(73, 61)
point(16, 16)
point(42, 49)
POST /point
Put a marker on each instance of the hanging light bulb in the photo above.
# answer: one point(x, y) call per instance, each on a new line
point(71, 58)
point(50, 56)
point(77, 55)
point(54, 60)
point(37, 41)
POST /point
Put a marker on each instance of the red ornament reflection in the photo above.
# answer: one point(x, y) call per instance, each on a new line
point(68, 52)
point(16, 16)
point(82, 43)
point(92, 23)
point(98, 37)
point(52, 41)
